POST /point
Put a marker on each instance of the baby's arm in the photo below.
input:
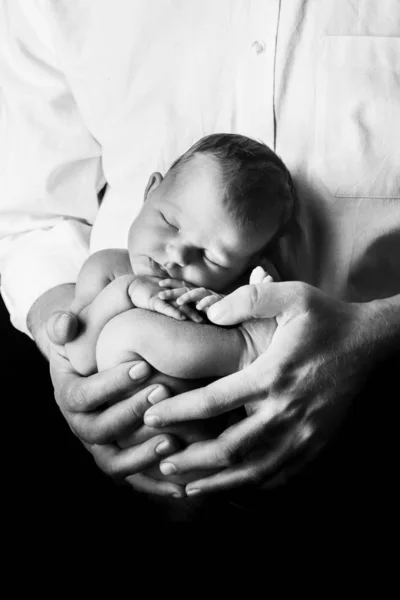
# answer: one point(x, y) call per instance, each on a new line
point(106, 287)
point(96, 273)
point(111, 301)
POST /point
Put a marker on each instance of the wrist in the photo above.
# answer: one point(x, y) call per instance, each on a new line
point(58, 298)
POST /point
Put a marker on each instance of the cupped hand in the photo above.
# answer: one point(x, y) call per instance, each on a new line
point(295, 394)
point(104, 407)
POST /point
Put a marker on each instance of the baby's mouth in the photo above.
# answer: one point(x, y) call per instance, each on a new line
point(158, 269)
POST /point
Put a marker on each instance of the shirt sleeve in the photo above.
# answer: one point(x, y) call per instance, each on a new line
point(50, 167)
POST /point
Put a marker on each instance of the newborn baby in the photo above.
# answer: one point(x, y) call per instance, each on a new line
point(202, 229)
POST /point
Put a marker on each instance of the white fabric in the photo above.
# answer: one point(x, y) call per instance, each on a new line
point(115, 89)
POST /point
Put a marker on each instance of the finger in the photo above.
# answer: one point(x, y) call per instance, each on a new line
point(168, 310)
point(140, 435)
point(185, 432)
point(254, 471)
point(172, 283)
point(267, 466)
point(62, 327)
point(116, 421)
point(263, 300)
point(172, 294)
point(207, 302)
point(148, 485)
point(121, 463)
point(218, 397)
point(193, 295)
point(84, 394)
point(191, 313)
point(226, 450)
point(293, 466)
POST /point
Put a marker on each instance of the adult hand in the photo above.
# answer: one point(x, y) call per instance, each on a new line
point(295, 394)
point(104, 407)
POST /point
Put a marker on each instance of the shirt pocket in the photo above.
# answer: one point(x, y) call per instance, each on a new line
point(357, 128)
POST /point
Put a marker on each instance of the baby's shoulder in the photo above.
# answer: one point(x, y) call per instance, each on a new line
point(112, 262)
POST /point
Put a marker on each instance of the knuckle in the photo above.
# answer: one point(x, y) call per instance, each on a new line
point(211, 402)
point(134, 414)
point(96, 431)
point(228, 456)
point(112, 469)
point(254, 295)
point(254, 476)
point(77, 396)
point(92, 434)
point(303, 294)
point(106, 464)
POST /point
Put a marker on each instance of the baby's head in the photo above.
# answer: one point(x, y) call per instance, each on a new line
point(213, 215)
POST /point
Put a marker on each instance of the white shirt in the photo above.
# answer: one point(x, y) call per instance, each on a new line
point(113, 90)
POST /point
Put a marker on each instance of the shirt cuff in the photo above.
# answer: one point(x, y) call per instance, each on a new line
point(38, 261)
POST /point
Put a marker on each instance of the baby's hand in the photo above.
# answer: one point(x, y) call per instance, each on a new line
point(260, 275)
point(184, 294)
point(144, 293)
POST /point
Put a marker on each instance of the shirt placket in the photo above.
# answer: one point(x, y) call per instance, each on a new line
point(256, 101)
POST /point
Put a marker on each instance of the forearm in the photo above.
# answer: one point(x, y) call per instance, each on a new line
point(57, 298)
point(384, 326)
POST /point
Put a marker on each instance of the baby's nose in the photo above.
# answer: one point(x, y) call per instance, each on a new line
point(179, 254)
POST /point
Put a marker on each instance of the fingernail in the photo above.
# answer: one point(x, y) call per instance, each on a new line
point(164, 447)
point(159, 393)
point(177, 495)
point(215, 313)
point(151, 421)
point(168, 468)
point(193, 492)
point(139, 370)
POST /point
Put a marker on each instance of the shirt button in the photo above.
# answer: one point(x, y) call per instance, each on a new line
point(258, 46)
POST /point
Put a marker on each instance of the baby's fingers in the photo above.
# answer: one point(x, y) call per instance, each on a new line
point(208, 301)
point(191, 313)
point(168, 310)
point(172, 283)
point(192, 296)
point(172, 294)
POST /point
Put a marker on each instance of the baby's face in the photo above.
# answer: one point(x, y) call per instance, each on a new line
point(183, 230)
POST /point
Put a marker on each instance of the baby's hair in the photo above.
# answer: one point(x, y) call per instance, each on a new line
point(255, 178)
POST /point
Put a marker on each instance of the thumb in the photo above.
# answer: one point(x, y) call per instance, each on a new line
point(258, 301)
point(62, 327)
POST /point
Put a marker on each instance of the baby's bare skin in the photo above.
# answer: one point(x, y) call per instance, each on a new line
point(184, 354)
point(117, 333)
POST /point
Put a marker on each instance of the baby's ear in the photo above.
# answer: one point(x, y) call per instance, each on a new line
point(154, 181)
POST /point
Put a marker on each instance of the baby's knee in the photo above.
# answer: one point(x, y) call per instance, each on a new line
point(119, 340)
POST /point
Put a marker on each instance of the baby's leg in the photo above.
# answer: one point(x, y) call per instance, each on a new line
point(180, 349)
